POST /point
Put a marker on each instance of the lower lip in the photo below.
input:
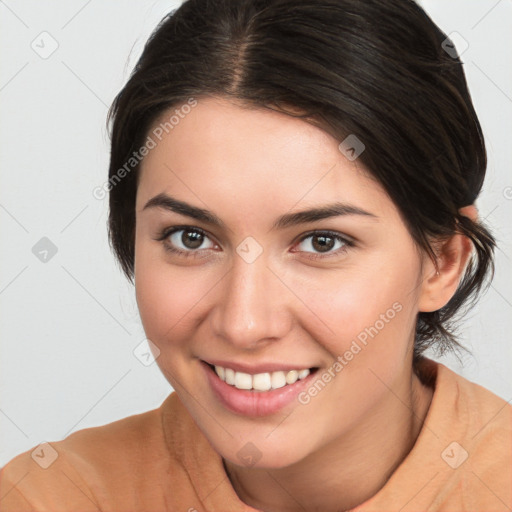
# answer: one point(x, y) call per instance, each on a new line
point(254, 403)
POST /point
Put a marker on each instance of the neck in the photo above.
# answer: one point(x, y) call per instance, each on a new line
point(348, 471)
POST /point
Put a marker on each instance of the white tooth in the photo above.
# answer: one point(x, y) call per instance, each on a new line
point(292, 376)
point(261, 381)
point(278, 380)
point(303, 373)
point(220, 372)
point(243, 380)
point(230, 376)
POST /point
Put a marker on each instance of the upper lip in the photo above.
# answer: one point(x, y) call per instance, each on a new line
point(257, 368)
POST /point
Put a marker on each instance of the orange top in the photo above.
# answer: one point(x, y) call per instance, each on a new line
point(161, 461)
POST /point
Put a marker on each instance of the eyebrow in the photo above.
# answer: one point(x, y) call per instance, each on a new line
point(336, 209)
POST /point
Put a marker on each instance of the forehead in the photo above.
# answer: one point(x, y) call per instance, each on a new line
point(220, 152)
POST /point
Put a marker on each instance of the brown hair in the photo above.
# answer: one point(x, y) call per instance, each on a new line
point(375, 69)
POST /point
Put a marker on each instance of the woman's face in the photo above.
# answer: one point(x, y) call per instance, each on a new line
point(261, 296)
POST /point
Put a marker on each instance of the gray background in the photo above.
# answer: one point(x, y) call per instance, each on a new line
point(72, 344)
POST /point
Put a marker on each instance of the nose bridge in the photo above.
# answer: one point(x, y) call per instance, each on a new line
point(250, 307)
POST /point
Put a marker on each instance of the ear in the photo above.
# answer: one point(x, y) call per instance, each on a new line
point(453, 254)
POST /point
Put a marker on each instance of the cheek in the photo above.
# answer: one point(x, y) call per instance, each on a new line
point(166, 297)
point(372, 306)
point(371, 318)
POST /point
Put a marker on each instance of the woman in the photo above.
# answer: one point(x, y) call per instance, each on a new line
point(292, 189)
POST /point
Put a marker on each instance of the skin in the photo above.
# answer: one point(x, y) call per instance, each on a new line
point(249, 166)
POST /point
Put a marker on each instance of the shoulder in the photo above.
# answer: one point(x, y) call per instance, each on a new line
point(78, 471)
point(459, 400)
point(484, 412)
point(462, 458)
point(478, 452)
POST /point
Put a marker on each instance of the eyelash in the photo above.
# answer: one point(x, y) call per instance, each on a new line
point(192, 253)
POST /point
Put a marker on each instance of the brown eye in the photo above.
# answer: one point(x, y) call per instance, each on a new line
point(324, 244)
point(186, 241)
point(191, 239)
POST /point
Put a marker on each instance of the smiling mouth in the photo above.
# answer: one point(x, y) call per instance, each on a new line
point(261, 382)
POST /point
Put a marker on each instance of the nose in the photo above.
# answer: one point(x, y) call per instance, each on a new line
point(251, 309)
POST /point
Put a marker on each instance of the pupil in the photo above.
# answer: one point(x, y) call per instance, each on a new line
point(192, 239)
point(323, 246)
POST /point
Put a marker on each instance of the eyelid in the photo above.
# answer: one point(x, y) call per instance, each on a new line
point(167, 232)
point(347, 240)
